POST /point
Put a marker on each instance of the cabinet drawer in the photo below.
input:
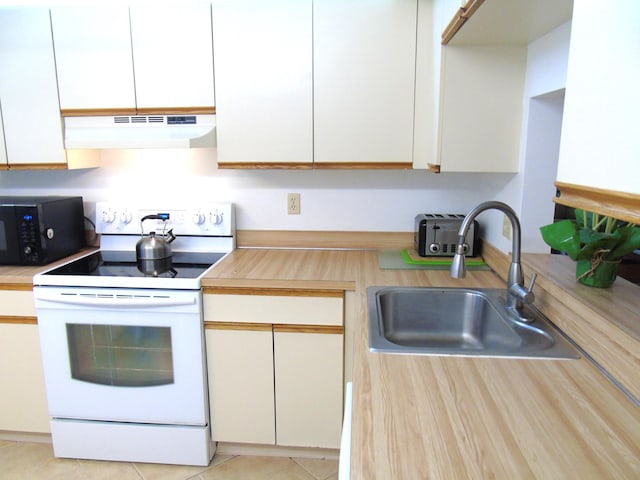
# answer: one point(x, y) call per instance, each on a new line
point(17, 303)
point(274, 309)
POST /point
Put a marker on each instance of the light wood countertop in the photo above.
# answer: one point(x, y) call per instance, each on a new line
point(452, 417)
point(420, 417)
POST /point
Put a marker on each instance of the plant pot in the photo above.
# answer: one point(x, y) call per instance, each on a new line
point(594, 273)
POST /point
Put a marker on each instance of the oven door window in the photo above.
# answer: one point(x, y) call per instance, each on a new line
point(117, 355)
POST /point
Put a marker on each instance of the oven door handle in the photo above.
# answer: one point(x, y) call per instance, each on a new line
point(117, 302)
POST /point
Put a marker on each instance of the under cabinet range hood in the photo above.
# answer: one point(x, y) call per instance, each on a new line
point(140, 131)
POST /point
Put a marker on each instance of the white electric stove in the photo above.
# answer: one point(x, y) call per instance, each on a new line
point(123, 350)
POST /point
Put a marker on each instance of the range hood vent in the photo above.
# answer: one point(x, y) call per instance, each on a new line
point(140, 131)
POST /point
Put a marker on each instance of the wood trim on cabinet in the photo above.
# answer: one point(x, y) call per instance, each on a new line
point(321, 329)
point(23, 287)
point(17, 320)
point(620, 205)
point(37, 166)
point(279, 328)
point(266, 165)
point(363, 165)
point(113, 112)
point(318, 165)
point(459, 19)
point(97, 112)
point(177, 111)
point(276, 292)
point(433, 168)
point(261, 327)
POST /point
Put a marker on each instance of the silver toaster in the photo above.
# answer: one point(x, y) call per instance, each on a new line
point(436, 235)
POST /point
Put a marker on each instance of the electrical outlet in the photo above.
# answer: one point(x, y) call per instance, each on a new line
point(506, 227)
point(293, 203)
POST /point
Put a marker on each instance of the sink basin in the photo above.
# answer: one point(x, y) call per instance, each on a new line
point(457, 321)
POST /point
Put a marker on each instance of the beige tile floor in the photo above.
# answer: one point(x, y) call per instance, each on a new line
point(35, 461)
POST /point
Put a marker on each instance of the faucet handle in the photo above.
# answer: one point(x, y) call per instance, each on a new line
point(525, 295)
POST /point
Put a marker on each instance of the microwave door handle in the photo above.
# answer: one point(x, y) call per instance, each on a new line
point(116, 302)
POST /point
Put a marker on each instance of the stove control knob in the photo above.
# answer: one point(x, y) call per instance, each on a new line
point(108, 216)
point(216, 218)
point(126, 217)
point(198, 218)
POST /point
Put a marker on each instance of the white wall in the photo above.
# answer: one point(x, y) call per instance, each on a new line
point(330, 200)
point(531, 192)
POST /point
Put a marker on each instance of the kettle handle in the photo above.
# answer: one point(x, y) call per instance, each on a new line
point(154, 217)
point(164, 218)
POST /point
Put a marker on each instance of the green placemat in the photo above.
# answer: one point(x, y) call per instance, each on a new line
point(401, 260)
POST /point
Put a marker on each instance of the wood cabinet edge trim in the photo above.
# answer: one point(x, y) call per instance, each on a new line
point(279, 328)
point(317, 165)
point(265, 166)
point(459, 19)
point(38, 166)
point(320, 329)
point(114, 112)
point(621, 205)
point(275, 292)
point(22, 287)
point(363, 165)
point(18, 320)
point(257, 327)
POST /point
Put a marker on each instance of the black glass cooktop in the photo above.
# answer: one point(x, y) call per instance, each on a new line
point(123, 264)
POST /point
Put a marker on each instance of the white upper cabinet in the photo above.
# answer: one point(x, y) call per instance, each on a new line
point(482, 80)
point(263, 72)
point(600, 141)
point(481, 96)
point(144, 57)
point(28, 91)
point(93, 57)
point(172, 55)
point(364, 80)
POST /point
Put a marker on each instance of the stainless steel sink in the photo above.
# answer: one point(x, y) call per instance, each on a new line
point(457, 321)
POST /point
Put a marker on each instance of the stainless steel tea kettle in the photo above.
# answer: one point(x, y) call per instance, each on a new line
point(154, 247)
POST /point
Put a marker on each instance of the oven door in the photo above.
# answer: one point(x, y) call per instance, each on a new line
point(125, 355)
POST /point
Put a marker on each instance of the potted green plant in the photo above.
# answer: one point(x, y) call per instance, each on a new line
point(596, 242)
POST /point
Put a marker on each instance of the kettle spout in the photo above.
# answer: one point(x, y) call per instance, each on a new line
point(170, 236)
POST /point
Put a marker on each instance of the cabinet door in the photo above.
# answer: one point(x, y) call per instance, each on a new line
point(23, 404)
point(240, 370)
point(28, 89)
point(364, 75)
point(93, 57)
point(263, 74)
point(172, 55)
point(600, 145)
point(308, 379)
point(481, 108)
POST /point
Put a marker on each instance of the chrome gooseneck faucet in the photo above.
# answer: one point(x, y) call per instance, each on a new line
point(517, 293)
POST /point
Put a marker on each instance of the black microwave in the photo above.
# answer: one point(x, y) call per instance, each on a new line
point(40, 230)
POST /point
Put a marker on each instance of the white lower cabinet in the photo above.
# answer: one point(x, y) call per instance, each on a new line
point(308, 385)
point(23, 402)
point(240, 369)
point(275, 383)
